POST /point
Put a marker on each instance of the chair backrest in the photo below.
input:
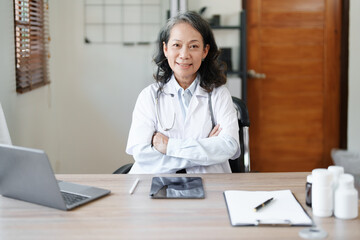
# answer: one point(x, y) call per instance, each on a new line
point(242, 163)
point(4, 132)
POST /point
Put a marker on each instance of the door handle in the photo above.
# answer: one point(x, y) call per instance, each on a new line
point(253, 74)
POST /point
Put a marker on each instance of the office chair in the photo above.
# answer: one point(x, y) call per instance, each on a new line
point(242, 163)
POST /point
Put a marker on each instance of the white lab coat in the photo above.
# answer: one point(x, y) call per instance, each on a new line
point(189, 146)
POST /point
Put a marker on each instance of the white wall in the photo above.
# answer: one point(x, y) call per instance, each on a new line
point(354, 77)
point(7, 68)
point(96, 87)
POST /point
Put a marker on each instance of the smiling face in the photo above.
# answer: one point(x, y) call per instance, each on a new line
point(185, 51)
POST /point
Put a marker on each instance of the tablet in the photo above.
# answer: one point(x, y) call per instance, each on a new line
point(177, 187)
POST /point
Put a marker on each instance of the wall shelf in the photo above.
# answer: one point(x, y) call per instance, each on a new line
point(242, 65)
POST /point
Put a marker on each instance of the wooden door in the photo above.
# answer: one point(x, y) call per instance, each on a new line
point(294, 111)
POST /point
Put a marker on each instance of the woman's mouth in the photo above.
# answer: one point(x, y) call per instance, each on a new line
point(184, 65)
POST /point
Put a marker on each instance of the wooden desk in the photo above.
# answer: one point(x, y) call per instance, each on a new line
point(124, 216)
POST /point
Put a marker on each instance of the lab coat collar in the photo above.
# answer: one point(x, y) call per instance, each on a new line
point(173, 86)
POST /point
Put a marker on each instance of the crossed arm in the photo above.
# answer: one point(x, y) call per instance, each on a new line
point(160, 141)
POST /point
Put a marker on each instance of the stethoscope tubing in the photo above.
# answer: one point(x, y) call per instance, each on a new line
point(157, 110)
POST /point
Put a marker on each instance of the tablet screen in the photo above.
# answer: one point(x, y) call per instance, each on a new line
point(177, 187)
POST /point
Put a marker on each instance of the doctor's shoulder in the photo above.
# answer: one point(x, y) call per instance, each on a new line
point(220, 92)
point(149, 93)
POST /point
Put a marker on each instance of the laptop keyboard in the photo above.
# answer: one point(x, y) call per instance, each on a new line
point(71, 198)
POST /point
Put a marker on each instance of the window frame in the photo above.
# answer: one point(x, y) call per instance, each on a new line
point(31, 36)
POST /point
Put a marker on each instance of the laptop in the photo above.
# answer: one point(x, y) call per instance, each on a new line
point(26, 174)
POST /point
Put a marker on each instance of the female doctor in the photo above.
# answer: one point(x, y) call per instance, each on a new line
point(186, 120)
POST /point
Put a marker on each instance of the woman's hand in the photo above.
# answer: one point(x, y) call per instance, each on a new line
point(160, 142)
point(216, 130)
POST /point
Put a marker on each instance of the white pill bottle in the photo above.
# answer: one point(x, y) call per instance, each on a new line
point(322, 193)
point(346, 198)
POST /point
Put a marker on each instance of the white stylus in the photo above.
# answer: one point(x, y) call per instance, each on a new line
point(134, 186)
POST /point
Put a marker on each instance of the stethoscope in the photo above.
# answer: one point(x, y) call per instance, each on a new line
point(157, 110)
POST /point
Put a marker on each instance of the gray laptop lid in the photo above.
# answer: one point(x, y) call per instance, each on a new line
point(26, 174)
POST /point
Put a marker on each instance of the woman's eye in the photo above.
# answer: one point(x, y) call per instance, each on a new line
point(176, 45)
point(194, 46)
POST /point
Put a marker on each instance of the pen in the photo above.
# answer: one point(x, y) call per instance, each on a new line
point(134, 186)
point(263, 204)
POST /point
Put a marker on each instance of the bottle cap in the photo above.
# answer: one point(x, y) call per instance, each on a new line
point(336, 170)
point(309, 178)
point(322, 176)
point(313, 233)
point(346, 181)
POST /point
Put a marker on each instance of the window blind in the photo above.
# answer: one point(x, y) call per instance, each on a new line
point(31, 44)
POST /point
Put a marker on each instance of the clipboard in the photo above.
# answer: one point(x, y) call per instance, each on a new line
point(284, 210)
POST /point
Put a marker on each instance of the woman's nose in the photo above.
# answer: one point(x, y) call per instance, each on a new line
point(184, 53)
